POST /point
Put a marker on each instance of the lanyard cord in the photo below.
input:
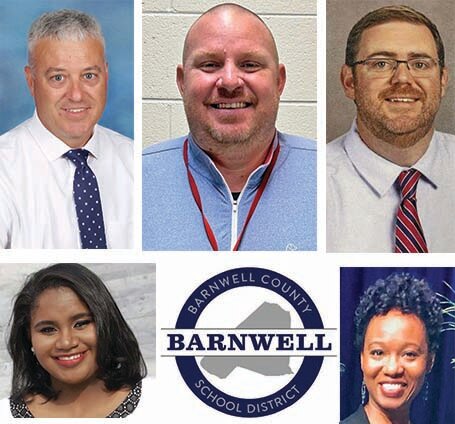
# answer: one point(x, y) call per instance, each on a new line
point(197, 198)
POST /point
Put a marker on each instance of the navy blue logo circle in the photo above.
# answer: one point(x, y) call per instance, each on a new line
point(266, 405)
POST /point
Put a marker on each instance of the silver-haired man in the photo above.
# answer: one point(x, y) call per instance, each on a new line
point(66, 182)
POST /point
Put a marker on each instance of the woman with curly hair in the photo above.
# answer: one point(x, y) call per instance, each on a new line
point(73, 353)
point(398, 323)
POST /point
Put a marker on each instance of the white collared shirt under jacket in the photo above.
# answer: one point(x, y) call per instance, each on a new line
point(362, 198)
point(36, 188)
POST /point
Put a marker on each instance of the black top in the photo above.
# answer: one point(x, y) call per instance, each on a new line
point(128, 405)
point(358, 417)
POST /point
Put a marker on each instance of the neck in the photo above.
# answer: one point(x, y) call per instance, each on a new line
point(378, 416)
point(237, 162)
point(79, 393)
point(400, 151)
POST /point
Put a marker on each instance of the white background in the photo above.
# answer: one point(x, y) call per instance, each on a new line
point(178, 274)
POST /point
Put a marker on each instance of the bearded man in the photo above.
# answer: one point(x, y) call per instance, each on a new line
point(390, 184)
point(235, 182)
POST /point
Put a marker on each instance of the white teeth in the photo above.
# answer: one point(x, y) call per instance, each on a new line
point(75, 110)
point(70, 358)
point(404, 100)
point(392, 386)
point(239, 105)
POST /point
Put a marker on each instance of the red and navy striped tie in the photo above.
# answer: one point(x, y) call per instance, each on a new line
point(409, 236)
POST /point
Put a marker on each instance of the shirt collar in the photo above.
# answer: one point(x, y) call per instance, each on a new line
point(379, 172)
point(205, 166)
point(52, 147)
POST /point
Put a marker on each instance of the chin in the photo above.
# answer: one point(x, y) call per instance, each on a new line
point(392, 405)
point(229, 137)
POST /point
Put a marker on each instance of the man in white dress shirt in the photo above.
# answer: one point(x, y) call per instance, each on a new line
point(395, 73)
point(46, 200)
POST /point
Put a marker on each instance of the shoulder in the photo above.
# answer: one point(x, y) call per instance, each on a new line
point(450, 138)
point(164, 147)
point(358, 417)
point(336, 155)
point(446, 141)
point(113, 137)
point(10, 139)
point(335, 147)
point(164, 158)
point(115, 145)
point(297, 142)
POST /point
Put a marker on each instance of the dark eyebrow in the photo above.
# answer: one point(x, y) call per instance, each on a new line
point(73, 318)
point(393, 55)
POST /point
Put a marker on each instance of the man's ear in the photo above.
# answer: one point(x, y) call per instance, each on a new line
point(179, 79)
point(347, 81)
point(30, 80)
point(281, 78)
point(444, 81)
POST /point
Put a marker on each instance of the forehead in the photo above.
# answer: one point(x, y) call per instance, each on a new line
point(399, 38)
point(396, 326)
point(58, 301)
point(229, 28)
point(53, 52)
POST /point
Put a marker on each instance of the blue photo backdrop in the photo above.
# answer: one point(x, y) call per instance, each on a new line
point(116, 18)
point(439, 407)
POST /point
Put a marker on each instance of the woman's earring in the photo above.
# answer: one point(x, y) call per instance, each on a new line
point(426, 390)
point(363, 392)
point(33, 350)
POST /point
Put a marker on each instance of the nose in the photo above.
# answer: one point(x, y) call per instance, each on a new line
point(75, 91)
point(402, 74)
point(66, 340)
point(392, 366)
point(230, 78)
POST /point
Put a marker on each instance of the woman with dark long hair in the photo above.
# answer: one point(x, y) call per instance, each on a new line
point(73, 353)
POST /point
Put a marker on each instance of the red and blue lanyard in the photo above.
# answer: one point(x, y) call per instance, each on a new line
point(197, 197)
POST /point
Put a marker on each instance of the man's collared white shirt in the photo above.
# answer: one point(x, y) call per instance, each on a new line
point(36, 188)
point(362, 198)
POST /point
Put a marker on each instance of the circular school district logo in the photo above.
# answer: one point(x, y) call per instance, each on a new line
point(249, 342)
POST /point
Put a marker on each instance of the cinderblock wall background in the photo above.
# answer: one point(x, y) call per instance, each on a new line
point(131, 285)
point(165, 23)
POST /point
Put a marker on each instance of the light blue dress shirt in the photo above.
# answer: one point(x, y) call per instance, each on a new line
point(285, 218)
point(362, 198)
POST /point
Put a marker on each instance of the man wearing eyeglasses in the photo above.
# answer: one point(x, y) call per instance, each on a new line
point(390, 182)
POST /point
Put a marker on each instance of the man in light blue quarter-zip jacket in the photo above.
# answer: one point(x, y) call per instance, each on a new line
point(235, 182)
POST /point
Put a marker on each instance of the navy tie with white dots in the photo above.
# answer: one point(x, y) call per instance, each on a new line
point(87, 201)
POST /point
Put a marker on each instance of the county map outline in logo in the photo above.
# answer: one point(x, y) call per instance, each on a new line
point(263, 342)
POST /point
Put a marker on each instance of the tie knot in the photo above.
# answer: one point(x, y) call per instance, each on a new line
point(407, 182)
point(78, 157)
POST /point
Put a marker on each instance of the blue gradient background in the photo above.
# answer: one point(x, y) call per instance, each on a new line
point(116, 18)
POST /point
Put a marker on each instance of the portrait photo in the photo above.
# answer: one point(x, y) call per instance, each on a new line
point(397, 345)
point(117, 27)
point(235, 87)
point(390, 151)
point(66, 148)
point(341, 17)
point(79, 340)
point(294, 28)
